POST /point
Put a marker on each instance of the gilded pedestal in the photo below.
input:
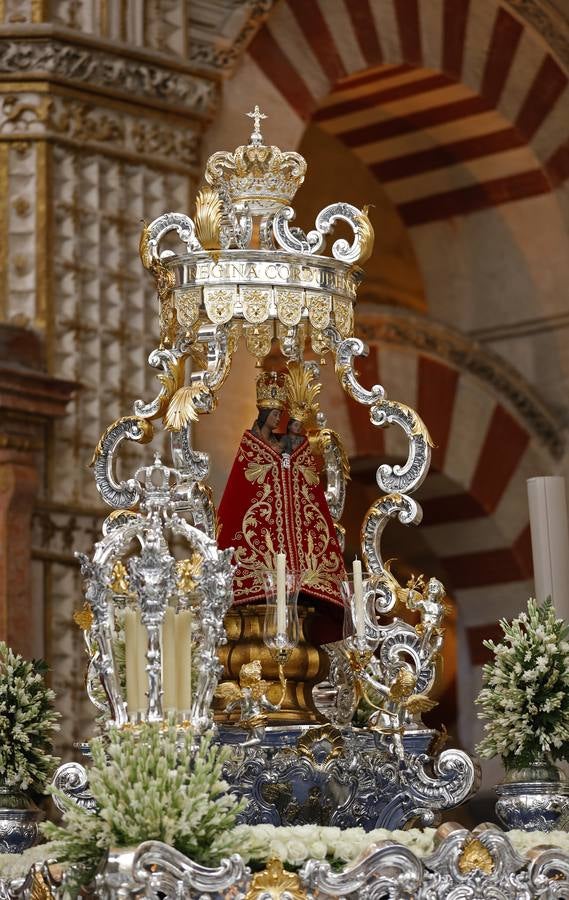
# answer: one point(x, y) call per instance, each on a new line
point(307, 665)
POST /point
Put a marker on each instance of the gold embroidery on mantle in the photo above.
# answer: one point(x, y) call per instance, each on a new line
point(257, 472)
point(284, 515)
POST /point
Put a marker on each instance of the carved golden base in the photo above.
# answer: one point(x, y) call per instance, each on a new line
point(306, 667)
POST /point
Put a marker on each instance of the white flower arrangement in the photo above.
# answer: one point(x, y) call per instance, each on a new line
point(525, 693)
point(149, 783)
point(27, 723)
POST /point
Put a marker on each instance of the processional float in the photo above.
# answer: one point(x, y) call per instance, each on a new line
point(160, 588)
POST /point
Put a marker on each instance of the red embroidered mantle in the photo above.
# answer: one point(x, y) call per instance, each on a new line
point(275, 504)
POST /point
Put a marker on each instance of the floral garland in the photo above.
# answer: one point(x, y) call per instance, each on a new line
point(294, 845)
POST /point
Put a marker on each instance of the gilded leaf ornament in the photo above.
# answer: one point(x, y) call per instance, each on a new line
point(181, 408)
point(274, 883)
point(208, 216)
point(366, 235)
point(84, 617)
point(326, 735)
point(119, 579)
point(327, 438)
point(187, 573)
point(418, 427)
point(475, 855)
point(165, 283)
point(302, 390)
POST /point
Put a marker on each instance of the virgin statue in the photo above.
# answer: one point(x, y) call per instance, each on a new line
point(274, 503)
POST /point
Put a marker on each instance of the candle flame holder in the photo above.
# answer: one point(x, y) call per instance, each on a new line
point(281, 626)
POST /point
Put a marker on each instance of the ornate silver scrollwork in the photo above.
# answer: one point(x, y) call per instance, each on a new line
point(190, 463)
point(118, 494)
point(72, 780)
point(443, 782)
point(217, 587)
point(152, 579)
point(193, 497)
point(97, 594)
point(465, 866)
point(336, 467)
point(401, 645)
point(411, 475)
point(171, 377)
point(389, 870)
point(339, 708)
point(392, 506)
point(162, 870)
point(236, 224)
point(178, 222)
point(219, 355)
point(360, 248)
point(345, 351)
point(294, 239)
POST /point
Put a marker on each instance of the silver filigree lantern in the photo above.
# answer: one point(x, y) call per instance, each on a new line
point(246, 273)
point(154, 622)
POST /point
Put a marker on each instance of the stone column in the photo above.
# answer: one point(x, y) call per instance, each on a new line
point(29, 400)
point(101, 123)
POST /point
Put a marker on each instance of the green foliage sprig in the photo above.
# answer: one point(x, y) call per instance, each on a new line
point(27, 723)
point(525, 693)
point(149, 784)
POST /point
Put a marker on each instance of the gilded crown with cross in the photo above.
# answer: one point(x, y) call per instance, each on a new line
point(264, 177)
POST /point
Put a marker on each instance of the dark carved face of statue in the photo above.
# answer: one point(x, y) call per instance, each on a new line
point(269, 417)
point(294, 427)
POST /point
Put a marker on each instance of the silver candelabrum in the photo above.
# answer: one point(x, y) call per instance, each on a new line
point(137, 592)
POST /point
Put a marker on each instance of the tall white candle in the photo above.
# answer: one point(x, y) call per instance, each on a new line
point(358, 598)
point(281, 593)
point(550, 541)
point(142, 680)
point(169, 659)
point(131, 662)
point(183, 631)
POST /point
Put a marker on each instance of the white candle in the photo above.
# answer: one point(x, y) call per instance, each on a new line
point(550, 541)
point(183, 631)
point(131, 663)
point(141, 648)
point(169, 659)
point(358, 599)
point(281, 593)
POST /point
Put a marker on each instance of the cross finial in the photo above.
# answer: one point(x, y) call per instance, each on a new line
point(256, 115)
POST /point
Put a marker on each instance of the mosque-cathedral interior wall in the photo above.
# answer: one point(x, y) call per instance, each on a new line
point(452, 128)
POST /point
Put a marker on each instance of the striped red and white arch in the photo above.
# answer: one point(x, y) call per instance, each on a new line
point(452, 87)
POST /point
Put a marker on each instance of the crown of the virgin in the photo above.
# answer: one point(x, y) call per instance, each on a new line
point(271, 390)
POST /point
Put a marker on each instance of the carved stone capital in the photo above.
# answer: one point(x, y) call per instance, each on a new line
point(40, 55)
